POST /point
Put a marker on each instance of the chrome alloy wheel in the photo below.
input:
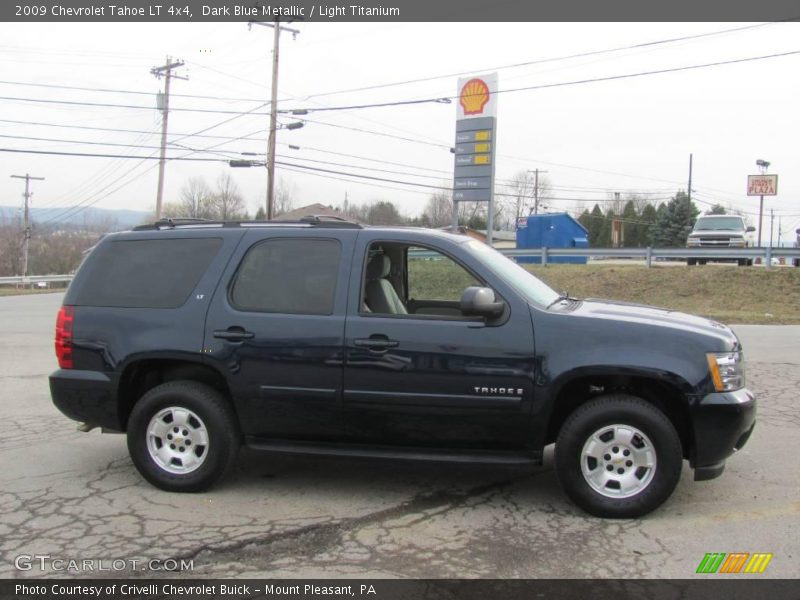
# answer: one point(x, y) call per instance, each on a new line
point(618, 461)
point(177, 440)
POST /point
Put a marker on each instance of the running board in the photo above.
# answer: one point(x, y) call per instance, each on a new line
point(384, 452)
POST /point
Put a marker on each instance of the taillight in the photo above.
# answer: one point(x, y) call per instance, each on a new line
point(64, 323)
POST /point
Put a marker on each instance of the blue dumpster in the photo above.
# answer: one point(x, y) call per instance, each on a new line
point(553, 230)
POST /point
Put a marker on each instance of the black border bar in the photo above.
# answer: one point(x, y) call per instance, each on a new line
point(397, 10)
point(708, 587)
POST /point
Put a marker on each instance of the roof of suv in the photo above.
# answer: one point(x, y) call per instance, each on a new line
point(310, 221)
point(313, 221)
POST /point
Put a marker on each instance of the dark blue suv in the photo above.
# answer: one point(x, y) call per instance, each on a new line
point(325, 337)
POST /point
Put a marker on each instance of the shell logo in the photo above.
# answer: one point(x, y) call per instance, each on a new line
point(474, 96)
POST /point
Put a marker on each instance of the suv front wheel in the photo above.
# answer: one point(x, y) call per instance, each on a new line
point(183, 436)
point(618, 456)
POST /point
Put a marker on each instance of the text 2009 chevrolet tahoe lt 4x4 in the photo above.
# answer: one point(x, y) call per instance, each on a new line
point(325, 337)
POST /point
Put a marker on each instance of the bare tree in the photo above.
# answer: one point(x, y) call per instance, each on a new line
point(284, 197)
point(227, 200)
point(10, 246)
point(526, 194)
point(439, 209)
point(196, 199)
point(520, 193)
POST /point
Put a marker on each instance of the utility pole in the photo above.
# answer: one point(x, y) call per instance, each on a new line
point(689, 196)
point(536, 189)
point(772, 225)
point(762, 165)
point(273, 112)
point(27, 223)
point(166, 71)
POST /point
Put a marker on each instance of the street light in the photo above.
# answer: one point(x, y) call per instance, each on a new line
point(762, 165)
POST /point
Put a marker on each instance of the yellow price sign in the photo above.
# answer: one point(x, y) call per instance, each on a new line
point(483, 136)
point(482, 160)
point(482, 147)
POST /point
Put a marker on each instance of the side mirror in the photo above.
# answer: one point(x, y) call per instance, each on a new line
point(750, 228)
point(480, 302)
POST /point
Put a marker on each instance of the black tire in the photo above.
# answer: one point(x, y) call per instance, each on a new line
point(208, 417)
point(657, 435)
point(742, 262)
point(691, 262)
point(701, 261)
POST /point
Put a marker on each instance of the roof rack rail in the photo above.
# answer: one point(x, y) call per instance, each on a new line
point(328, 221)
point(331, 221)
point(172, 222)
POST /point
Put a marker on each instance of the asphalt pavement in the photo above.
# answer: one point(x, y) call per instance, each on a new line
point(71, 495)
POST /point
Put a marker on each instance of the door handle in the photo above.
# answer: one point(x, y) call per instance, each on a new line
point(376, 343)
point(233, 334)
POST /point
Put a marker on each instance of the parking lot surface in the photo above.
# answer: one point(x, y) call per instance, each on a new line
point(72, 495)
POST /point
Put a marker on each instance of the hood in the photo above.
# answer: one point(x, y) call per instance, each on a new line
point(719, 232)
point(629, 312)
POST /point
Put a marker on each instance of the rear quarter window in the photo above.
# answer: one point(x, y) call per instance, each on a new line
point(145, 273)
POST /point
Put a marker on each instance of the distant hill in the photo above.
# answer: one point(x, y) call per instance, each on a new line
point(117, 219)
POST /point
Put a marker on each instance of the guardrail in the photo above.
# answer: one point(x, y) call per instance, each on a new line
point(34, 279)
point(648, 254)
point(545, 254)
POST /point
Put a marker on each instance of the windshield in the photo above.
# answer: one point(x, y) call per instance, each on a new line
point(525, 283)
point(723, 223)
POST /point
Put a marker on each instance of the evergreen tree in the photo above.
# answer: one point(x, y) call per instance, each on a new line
point(648, 218)
point(596, 220)
point(631, 227)
point(674, 223)
point(604, 237)
point(585, 219)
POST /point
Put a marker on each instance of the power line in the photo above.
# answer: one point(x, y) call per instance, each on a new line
point(378, 133)
point(82, 142)
point(119, 91)
point(88, 154)
point(426, 100)
point(104, 172)
point(133, 106)
point(360, 106)
point(541, 61)
point(111, 129)
point(589, 80)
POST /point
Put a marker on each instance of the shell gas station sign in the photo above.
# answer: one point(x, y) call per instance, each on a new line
point(475, 97)
point(475, 139)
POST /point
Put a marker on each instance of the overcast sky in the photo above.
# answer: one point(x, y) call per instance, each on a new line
point(632, 135)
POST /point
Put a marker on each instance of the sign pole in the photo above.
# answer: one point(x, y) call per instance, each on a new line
point(474, 150)
point(762, 185)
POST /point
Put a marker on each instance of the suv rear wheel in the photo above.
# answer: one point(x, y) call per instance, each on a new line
point(183, 436)
point(618, 456)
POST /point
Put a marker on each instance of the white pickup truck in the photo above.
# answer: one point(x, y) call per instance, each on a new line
point(720, 231)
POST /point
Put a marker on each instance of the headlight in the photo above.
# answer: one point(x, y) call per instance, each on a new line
point(727, 370)
point(693, 242)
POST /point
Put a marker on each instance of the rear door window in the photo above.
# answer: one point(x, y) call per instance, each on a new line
point(288, 275)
